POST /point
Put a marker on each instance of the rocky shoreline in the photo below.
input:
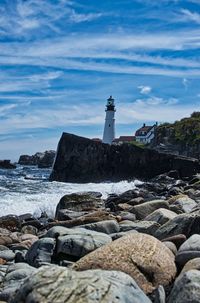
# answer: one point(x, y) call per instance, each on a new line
point(139, 246)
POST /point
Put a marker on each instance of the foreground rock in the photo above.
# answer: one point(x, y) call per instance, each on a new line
point(80, 159)
point(13, 278)
point(58, 284)
point(186, 288)
point(75, 243)
point(5, 164)
point(143, 257)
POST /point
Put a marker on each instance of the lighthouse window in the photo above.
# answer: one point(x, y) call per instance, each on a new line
point(109, 125)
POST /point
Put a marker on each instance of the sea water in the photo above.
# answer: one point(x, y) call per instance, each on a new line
point(27, 190)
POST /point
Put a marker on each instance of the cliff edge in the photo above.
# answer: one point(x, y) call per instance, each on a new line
point(80, 159)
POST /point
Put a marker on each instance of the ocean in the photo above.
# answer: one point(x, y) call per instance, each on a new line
point(26, 189)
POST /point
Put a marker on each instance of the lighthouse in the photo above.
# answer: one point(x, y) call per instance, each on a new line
point(109, 128)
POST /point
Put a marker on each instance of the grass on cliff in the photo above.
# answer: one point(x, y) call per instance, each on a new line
point(185, 131)
point(138, 144)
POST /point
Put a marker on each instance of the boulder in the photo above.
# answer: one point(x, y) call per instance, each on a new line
point(78, 242)
point(161, 216)
point(147, 227)
point(40, 252)
point(186, 288)
point(77, 202)
point(143, 257)
point(190, 249)
point(187, 224)
point(171, 246)
point(10, 222)
point(191, 264)
point(58, 284)
point(13, 278)
point(185, 203)
point(107, 226)
point(5, 164)
point(143, 210)
point(7, 255)
point(7, 237)
point(178, 240)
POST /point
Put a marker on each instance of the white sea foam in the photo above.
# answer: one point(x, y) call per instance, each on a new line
point(29, 196)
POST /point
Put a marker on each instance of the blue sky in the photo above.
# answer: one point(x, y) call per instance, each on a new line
point(61, 59)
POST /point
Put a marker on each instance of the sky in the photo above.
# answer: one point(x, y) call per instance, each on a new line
point(60, 60)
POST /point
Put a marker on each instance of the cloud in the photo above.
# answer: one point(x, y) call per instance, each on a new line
point(77, 18)
point(154, 101)
point(190, 16)
point(145, 90)
point(185, 83)
point(25, 17)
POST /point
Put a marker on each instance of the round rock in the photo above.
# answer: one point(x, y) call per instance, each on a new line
point(40, 252)
point(192, 264)
point(190, 249)
point(142, 256)
point(186, 288)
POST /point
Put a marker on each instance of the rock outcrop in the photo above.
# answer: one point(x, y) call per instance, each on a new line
point(5, 164)
point(180, 137)
point(83, 160)
point(42, 160)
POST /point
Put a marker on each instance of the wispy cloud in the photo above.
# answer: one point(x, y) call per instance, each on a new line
point(77, 18)
point(190, 16)
point(28, 16)
point(144, 90)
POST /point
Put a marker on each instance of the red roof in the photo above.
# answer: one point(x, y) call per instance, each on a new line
point(124, 139)
point(143, 130)
point(96, 140)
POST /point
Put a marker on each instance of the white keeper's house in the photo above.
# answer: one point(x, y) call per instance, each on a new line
point(145, 134)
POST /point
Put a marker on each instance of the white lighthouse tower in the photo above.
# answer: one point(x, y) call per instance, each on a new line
point(109, 128)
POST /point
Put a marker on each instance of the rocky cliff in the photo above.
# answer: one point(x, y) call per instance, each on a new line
point(181, 137)
point(42, 160)
point(80, 159)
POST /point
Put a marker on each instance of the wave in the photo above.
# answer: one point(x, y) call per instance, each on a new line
point(44, 196)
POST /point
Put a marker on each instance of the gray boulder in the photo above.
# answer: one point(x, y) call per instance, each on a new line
point(147, 227)
point(187, 224)
point(13, 278)
point(161, 216)
point(190, 249)
point(40, 252)
point(107, 226)
point(143, 210)
point(192, 264)
point(58, 284)
point(186, 288)
point(185, 203)
point(79, 242)
point(7, 255)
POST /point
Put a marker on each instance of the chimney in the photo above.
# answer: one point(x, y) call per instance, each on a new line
point(144, 125)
